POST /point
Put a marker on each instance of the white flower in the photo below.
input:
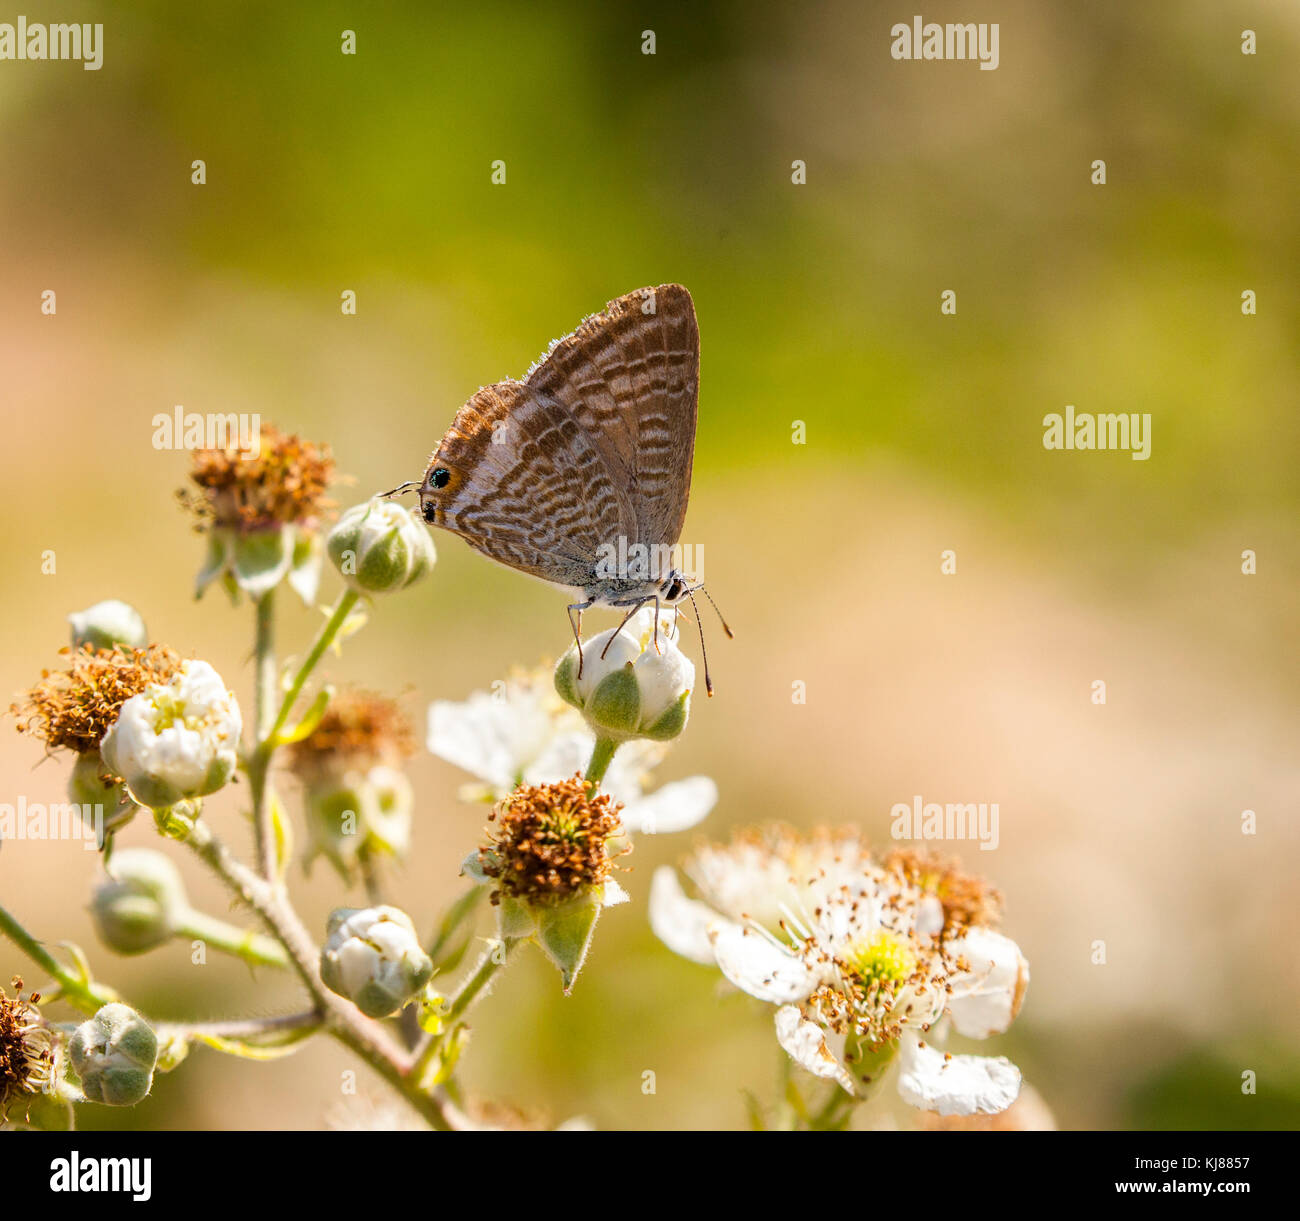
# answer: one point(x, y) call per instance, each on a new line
point(373, 957)
point(632, 681)
point(524, 734)
point(176, 740)
point(862, 960)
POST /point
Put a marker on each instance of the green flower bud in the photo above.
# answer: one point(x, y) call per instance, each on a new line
point(108, 623)
point(114, 1054)
point(628, 687)
point(373, 957)
point(141, 903)
point(379, 547)
point(105, 804)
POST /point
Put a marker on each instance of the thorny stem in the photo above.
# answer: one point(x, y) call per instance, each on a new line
point(88, 997)
point(340, 1018)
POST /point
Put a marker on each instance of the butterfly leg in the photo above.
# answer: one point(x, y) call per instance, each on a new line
point(636, 606)
point(577, 626)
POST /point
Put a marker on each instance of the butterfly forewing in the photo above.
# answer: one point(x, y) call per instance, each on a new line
point(630, 376)
point(596, 443)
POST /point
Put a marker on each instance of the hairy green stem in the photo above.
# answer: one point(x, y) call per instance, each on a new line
point(253, 948)
point(460, 1002)
point(86, 996)
point(259, 763)
point(324, 639)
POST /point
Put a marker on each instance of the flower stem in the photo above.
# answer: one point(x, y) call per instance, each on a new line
point(254, 949)
point(460, 1002)
point(322, 642)
point(264, 652)
point(601, 757)
point(84, 994)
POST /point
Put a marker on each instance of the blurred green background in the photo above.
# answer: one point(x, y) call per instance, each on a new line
point(817, 303)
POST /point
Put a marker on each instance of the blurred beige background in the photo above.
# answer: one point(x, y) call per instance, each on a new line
point(816, 303)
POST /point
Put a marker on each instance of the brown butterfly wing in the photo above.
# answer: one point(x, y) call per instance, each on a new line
point(629, 376)
point(527, 486)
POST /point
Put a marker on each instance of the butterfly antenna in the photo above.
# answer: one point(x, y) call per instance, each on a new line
point(730, 634)
point(704, 653)
point(400, 490)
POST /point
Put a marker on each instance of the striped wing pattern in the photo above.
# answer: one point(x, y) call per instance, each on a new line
point(596, 442)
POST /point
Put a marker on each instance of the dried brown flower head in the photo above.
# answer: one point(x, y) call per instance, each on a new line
point(26, 1047)
point(284, 482)
point(968, 901)
point(359, 728)
point(549, 842)
point(75, 708)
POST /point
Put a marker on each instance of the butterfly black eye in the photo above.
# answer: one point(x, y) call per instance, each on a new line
point(430, 512)
point(440, 478)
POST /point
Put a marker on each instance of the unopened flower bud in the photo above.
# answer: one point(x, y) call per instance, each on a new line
point(373, 957)
point(630, 685)
point(176, 740)
point(141, 903)
point(108, 623)
point(114, 1054)
point(379, 547)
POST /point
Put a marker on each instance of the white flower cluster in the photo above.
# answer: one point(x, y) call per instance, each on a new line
point(863, 961)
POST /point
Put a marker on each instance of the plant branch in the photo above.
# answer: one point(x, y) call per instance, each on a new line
point(85, 994)
point(339, 1017)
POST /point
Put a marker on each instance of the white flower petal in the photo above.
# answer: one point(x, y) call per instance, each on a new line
point(674, 807)
point(987, 998)
point(564, 754)
point(805, 1043)
point(757, 966)
point(613, 894)
point(490, 737)
point(681, 923)
point(956, 1085)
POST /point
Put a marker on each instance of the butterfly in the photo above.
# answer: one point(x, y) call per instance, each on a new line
point(588, 458)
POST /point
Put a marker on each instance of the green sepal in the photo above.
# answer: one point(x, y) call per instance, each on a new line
point(615, 706)
point(671, 721)
point(564, 932)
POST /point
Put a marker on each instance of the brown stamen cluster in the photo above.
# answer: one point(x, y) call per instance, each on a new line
point(968, 901)
point(75, 708)
point(26, 1047)
point(284, 482)
point(358, 728)
point(549, 842)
